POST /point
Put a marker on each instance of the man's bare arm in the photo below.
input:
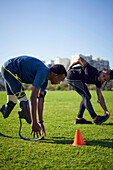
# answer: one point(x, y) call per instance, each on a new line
point(35, 129)
point(79, 61)
point(40, 106)
point(101, 100)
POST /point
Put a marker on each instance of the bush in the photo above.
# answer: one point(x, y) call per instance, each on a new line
point(62, 86)
point(2, 87)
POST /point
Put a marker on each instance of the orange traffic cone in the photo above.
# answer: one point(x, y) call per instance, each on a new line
point(78, 140)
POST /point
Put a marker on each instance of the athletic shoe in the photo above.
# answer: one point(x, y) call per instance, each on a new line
point(3, 110)
point(6, 109)
point(100, 119)
point(82, 121)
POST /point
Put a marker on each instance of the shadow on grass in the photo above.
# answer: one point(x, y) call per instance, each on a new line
point(62, 140)
point(104, 143)
point(58, 140)
point(54, 140)
point(2, 135)
point(107, 124)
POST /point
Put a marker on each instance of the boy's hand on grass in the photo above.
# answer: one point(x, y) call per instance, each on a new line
point(35, 129)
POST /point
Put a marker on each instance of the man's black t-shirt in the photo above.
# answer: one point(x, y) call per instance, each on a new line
point(87, 74)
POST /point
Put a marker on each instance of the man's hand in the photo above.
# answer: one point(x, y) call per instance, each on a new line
point(106, 112)
point(42, 129)
point(82, 61)
point(79, 61)
point(35, 129)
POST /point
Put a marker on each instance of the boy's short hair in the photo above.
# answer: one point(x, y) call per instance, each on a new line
point(58, 69)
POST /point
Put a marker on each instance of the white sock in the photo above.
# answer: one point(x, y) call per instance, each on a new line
point(11, 98)
point(23, 99)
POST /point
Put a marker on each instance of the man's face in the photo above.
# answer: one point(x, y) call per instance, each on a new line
point(104, 76)
point(57, 78)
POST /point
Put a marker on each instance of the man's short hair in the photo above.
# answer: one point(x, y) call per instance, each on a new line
point(110, 72)
point(58, 69)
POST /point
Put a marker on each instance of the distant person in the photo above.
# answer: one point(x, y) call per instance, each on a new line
point(29, 70)
point(78, 77)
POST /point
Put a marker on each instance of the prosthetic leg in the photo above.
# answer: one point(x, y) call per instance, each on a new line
point(6, 109)
point(24, 113)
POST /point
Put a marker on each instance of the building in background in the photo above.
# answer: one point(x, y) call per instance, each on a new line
point(59, 60)
point(75, 57)
point(50, 63)
point(100, 64)
point(63, 61)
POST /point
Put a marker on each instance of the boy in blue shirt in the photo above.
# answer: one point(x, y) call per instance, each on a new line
point(29, 70)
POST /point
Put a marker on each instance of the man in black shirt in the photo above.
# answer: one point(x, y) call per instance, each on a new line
point(78, 77)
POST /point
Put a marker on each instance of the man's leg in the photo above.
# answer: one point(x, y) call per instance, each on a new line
point(86, 102)
point(11, 102)
point(84, 92)
point(82, 109)
point(15, 86)
point(80, 119)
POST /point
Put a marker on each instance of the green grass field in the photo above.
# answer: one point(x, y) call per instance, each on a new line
point(56, 150)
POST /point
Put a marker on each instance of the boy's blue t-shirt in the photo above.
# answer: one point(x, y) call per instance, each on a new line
point(30, 70)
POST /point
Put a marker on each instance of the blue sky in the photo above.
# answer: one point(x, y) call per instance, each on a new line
point(49, 28)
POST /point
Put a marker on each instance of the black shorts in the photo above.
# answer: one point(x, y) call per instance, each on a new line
point(13, 83)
